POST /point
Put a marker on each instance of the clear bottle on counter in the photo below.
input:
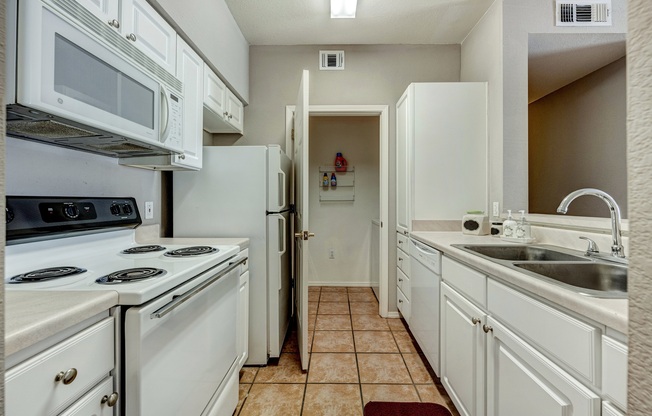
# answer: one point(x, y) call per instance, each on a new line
point(523, 229)
point(509, 226)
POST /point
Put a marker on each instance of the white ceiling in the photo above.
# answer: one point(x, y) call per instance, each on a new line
point(308, 22)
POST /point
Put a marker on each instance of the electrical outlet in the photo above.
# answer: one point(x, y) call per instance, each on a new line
point(496, 209)
point(149, 210)
point(331, 253)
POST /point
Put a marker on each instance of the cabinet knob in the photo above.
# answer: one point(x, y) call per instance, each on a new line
point(131, 37)
point(111, 399)
point(400, 301)
point(114, 23)
point(226, 114)
point(400, 259)
point(230, 116)
point(67, 376)
point(182, 156)
point(400, 279)
point(475, 321)
point(487, 329)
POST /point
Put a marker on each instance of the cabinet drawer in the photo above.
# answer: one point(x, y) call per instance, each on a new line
point(402, 242)
point(469, 282)
point(403, 283)
point(403, 305)
point(572, 342)
point(403, 261)
point(90, 352)
point(609, 410)
point(91, 403)
point(614, 371)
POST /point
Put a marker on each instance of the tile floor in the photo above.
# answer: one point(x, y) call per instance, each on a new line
point(356, 356)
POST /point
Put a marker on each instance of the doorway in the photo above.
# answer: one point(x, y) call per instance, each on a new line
point(350, 220)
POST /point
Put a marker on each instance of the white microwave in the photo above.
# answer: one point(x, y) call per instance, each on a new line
point(73, 86)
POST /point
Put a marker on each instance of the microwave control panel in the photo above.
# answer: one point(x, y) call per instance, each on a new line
point(174, 137)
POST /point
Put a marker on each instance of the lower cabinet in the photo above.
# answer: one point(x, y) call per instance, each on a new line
point(242, 344)
point(98, 402)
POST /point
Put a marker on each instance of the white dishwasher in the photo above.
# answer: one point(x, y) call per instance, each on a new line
point(425, 277)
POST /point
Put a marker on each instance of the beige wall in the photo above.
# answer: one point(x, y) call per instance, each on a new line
point(577, 139)
point(639, 138)
point(373, 75)
point(344, 226)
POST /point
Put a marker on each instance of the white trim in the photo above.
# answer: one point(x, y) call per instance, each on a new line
point(382, 111)
point(339, 284)
point(393, 315)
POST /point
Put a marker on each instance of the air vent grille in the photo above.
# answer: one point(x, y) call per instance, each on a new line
point(331, 60)
point(582, 13)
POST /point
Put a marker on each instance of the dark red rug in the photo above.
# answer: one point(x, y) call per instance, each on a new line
point(405, 409)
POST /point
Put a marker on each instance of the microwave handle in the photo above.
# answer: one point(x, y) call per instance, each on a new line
point(165, 115)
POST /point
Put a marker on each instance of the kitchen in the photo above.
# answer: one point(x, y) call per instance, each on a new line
point(145, 184)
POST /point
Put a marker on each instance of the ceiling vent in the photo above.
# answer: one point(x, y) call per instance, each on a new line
point(331, 60)
point(583, 13)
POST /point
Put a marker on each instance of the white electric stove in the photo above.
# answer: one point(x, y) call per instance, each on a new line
point(177, 303)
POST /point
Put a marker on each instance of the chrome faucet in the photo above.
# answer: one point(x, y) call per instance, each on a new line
point(617, 249)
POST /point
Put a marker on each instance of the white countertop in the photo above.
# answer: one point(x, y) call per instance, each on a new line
point(609, 312)
point(33, 316)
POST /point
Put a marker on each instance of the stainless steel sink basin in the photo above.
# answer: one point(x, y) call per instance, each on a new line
point(594, 279)
point(519, 253)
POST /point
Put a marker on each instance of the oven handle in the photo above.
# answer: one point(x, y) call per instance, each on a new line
point(181, 299)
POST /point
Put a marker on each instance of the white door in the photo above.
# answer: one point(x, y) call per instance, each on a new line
point(301, 217)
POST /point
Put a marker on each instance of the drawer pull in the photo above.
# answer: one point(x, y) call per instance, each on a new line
point(400, 301)
point(400, 279)
point(111, 399)
point(131, 37)
point(67, 377)
point(400, 259)
point(487, 329)
point(114, 23)
point(475, 321)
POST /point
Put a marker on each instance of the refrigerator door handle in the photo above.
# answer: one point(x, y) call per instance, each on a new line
point(282, 224)
point(281, 181)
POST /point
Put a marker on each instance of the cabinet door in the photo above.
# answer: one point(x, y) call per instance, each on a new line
point(107, 11)
point(402, 166)
point(214, 92)
point(521, 381)
point(463, 352)
point(190, 70)
point(95, 402)
point(150, 33)
point(243, 319)
point(235, 111)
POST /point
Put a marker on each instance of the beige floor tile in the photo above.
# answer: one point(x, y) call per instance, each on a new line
point(417, 369)
point(369, 323)
point(311, 322)
point(333, 289)
point(314, 289)
point(274, 400)
point(396, 324)
point(311, 337)
point(312, 308)
point(243, 391)
point(333, 308)
point(287, 370)
point(429, 393)
point(248, 374)
point(374, 341)
point(333, 341)
point(404, 342)
point(334, 297)
point(389, 393)
point(333, 323)
point(313, 296)
point(332, 400)
point(362, 297)
point(383, 369)
point(359, 289)
point(332, 368)
point(364, 308)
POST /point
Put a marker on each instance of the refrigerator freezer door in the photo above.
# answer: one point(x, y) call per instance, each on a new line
point(278, 272)
point(278, 188)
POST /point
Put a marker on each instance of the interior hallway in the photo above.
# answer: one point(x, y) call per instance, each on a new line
point(356, 356)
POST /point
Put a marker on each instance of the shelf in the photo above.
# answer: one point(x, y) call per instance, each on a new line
point(323, 169)
point(345, 189)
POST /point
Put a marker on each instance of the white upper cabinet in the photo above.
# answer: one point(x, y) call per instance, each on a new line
point(142, 25)
point(190, 70)
point(139, 23)
point(223, 111)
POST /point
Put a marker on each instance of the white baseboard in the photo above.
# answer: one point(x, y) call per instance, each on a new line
point(340, 284)
point(393, 314)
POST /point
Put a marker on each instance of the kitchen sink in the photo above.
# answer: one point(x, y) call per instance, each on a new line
point(594, 279)
point(519, 253)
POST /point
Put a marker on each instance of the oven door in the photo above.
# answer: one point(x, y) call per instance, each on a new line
point(181, 346)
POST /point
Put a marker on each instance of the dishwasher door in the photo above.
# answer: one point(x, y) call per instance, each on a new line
point(425, 278)
point(180, 346)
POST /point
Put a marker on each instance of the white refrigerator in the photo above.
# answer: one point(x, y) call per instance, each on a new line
point(243, 191)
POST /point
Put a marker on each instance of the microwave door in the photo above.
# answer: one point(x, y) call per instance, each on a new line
point(71, 75)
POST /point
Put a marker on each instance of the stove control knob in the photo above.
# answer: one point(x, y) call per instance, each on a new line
point(71, 211)
point(9, 215)
point(126, 208)
point(115, 209)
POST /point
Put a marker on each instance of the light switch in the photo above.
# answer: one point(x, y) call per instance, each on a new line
point(149, 210)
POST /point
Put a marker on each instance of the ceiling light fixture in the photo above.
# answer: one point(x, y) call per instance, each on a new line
point(343, 9)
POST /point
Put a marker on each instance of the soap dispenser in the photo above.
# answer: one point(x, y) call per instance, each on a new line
point(523, 227)
point(509, 226)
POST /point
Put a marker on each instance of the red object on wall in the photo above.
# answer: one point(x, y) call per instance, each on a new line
point(340, 163)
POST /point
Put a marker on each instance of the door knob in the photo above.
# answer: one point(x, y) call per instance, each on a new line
point(304, 235)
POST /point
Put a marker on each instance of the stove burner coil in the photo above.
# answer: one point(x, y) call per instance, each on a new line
point(143, 249)
point(191, 251)
point(49, 273)
point(131, 275)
